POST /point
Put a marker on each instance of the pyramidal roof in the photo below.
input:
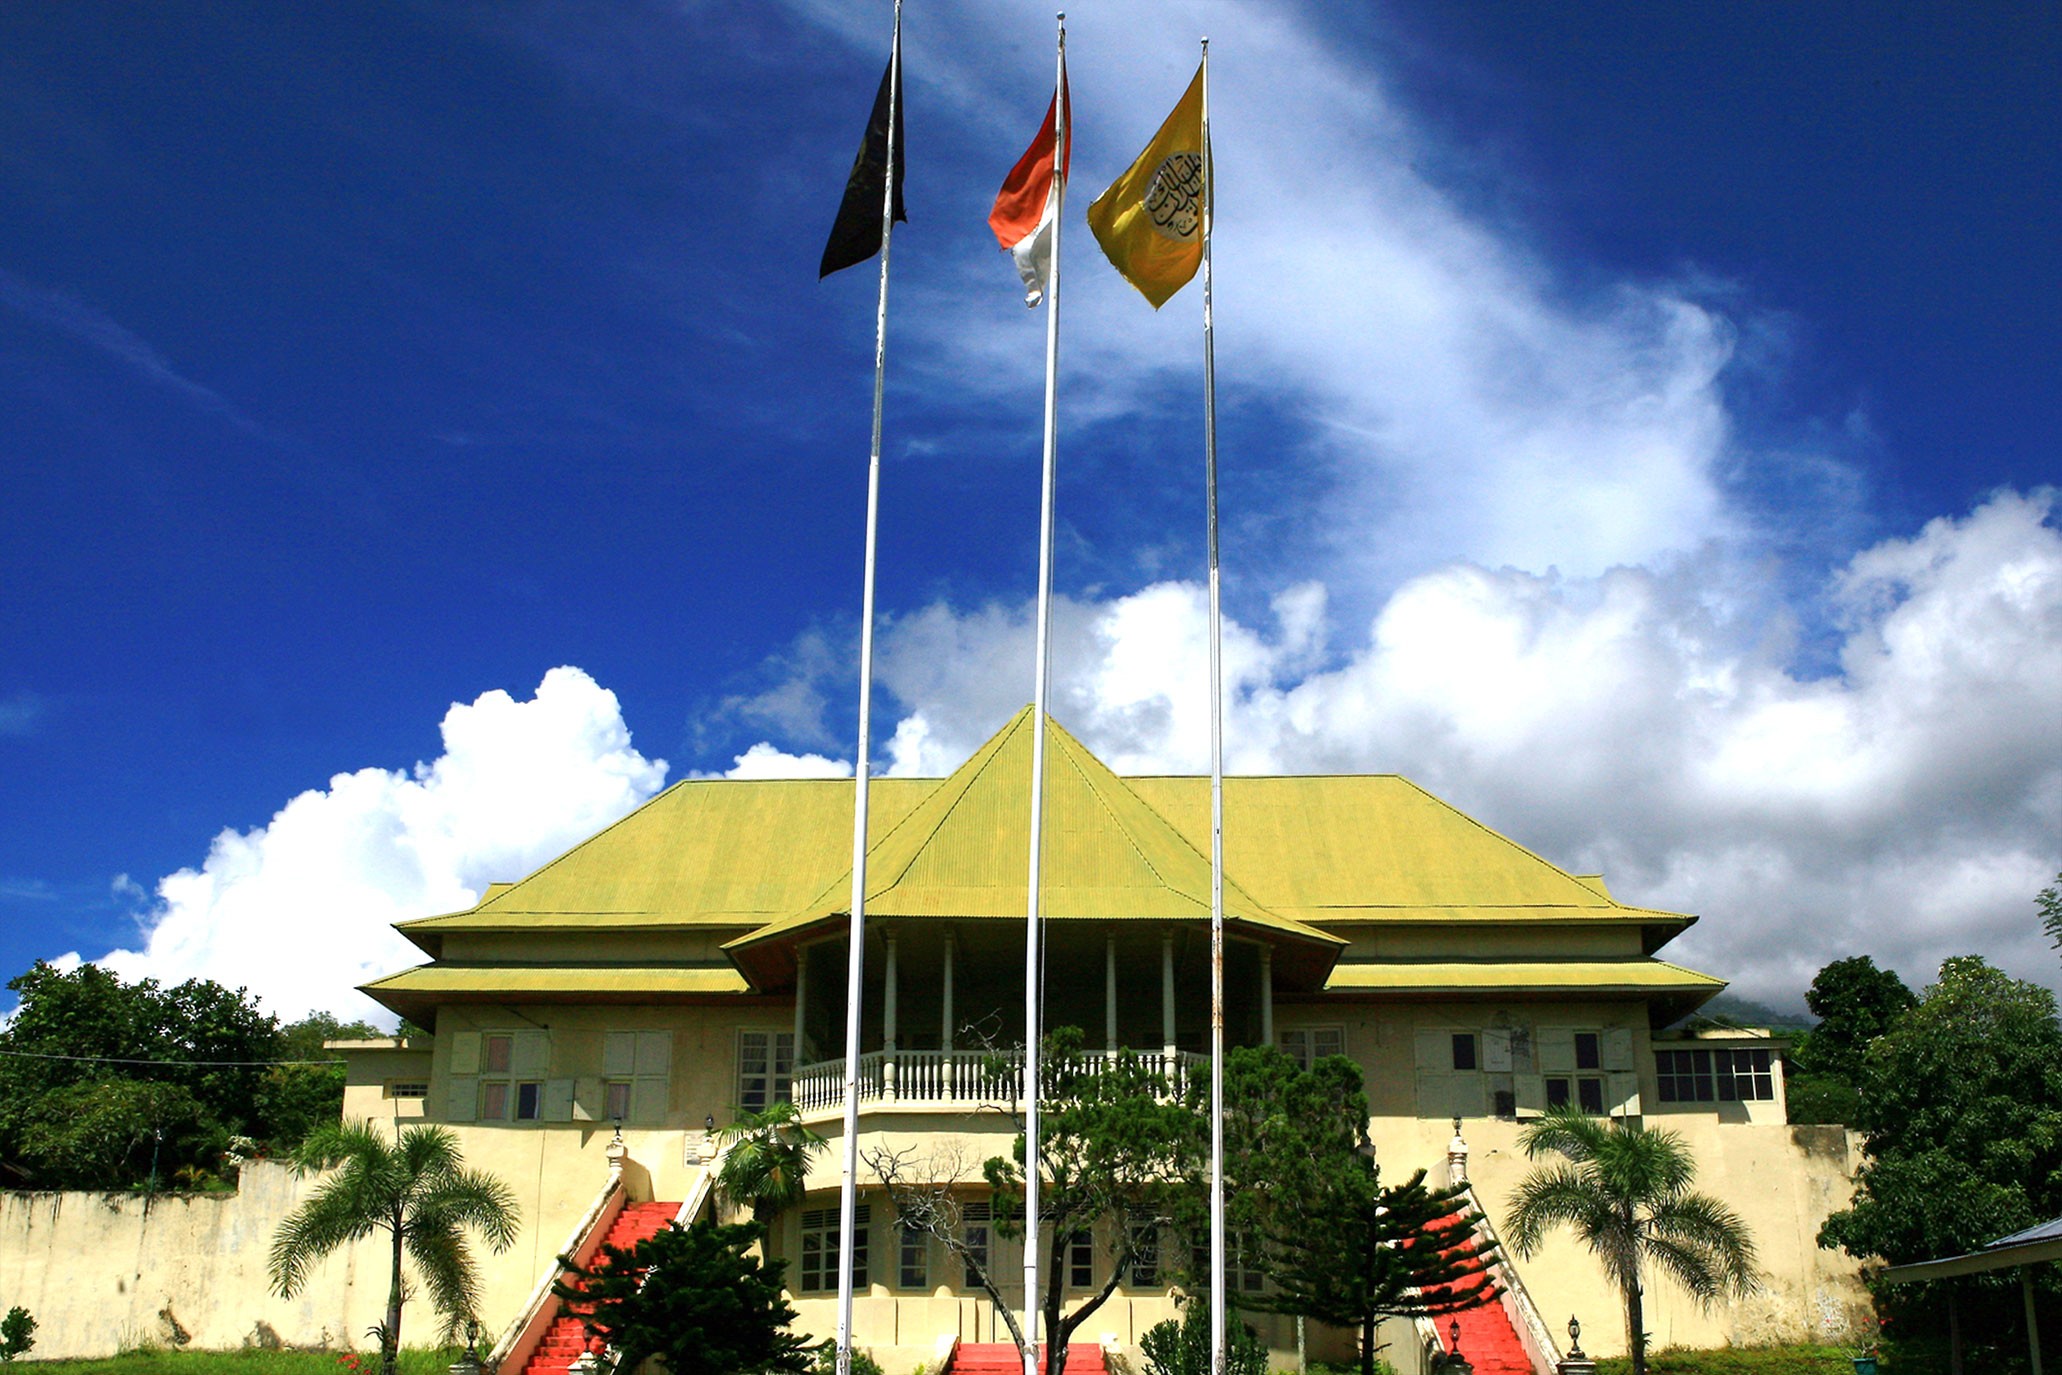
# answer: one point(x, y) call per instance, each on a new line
point(964, 851)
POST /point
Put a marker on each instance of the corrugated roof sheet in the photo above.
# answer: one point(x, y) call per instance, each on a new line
point(776, 853)
point(1538, 976)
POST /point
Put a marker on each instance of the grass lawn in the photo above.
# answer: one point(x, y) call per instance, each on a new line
point(1742, 1360)
point(413, 1362)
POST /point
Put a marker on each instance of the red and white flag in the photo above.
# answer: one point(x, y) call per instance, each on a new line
point(1028, 205)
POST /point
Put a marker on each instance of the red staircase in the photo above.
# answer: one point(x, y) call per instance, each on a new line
point(1002, 1358)
point(566, 1339)
point(1488, 1341)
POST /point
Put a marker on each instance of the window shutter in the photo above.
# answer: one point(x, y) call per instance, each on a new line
point(1623, 1093)
point(648, 1100)
point(1557, 1049)
point(619, 1054)
point(1436, 1094)
point(589, 1103)
point(1531, 1090)
point(462, 1095)
point(654, 1053)
point(531, 1054)
point(1435, 1050)
point(465, 1052)
point(1618, 1048)
point(1496, 1050)
point(558, 1100)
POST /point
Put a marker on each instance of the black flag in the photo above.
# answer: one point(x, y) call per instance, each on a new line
point(856, 234)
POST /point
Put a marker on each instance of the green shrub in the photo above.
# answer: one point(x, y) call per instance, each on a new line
point(17, 1333)
point(1183, 1348)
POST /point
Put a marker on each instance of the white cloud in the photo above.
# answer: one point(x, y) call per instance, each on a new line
point(1907, 807)
point(299, 910)
point(763, 760)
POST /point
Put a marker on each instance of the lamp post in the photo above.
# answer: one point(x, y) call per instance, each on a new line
point(1575, 1362)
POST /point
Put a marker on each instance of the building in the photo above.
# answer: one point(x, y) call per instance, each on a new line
point(691, 960)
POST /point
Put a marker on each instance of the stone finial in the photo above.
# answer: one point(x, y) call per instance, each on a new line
point(617, 1154)
point(1457, 1156)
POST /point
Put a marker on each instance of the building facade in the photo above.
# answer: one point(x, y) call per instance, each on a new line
point(691, 961)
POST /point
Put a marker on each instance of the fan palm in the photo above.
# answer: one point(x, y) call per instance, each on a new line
point(766, 1157)
point(1626, 1193)
point(416, 1189)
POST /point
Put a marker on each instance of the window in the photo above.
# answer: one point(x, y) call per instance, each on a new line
point(1243, 1270)
point(407, 1088)
point(765, 1066)
point(1464, 1050)
point(641, 1062)
point(1504, 1102)
point(1145, 1254)
point(1586, 1092)
point(615, 1099)
point(500, 1052)
point(820, 1248)
point(529, 1100)
point(1706, 1076)
point(1589, 1096)
point(494, 1100)
point(912, 1257)
point(1307, 1045)
point(975, 1218)
point(1589, 1050)
point(1081, 1261)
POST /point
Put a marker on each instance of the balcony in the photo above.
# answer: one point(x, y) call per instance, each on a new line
point(943, 1080)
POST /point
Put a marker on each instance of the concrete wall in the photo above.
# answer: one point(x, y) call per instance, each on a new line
point(1782, 1180)
point(102, 1273)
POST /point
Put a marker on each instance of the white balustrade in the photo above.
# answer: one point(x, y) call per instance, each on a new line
point(946, 1080)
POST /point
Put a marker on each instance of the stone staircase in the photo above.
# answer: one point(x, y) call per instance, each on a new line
point(1488, 1341)
point(1002, 1358)
point(566, 1340)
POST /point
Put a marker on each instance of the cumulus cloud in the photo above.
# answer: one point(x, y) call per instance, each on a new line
point(1906, 806)
point(763, 760)
point(299, 910)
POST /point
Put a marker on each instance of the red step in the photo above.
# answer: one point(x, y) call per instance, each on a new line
point(1002, 1358)
point(1487, 1340)
point(566, 1340)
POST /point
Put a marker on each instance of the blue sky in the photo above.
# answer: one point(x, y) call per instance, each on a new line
point(1637, 425)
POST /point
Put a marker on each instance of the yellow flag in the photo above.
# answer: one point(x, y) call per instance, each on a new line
point(1150, 221)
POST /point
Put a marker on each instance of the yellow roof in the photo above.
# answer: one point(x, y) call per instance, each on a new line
point(415, 993)
point(761, 861)
point(1671, 989)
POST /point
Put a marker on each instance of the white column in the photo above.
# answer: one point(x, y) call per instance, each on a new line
point(888, 1000)
point(801, 1002)
point(945, 1031)
point(1167, 992)
point(1266, 995)
point(888, 1022)
point(1110, 991)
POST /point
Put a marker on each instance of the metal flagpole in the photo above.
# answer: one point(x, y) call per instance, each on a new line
point(1041, 673)
point(855, 962)
point(1217, 1247)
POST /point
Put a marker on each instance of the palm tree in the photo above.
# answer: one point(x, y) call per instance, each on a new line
point(1626, 1192)
point(766, 1158)
point(418, 1191)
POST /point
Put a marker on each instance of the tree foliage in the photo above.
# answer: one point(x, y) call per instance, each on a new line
point(113, 1085)
point(1182, 1347)
point(2049, 901)
point(17, 1333)
point(695, 1297)
point(414, 1188)
point(1961, 1114)
point(1340, 1246)
point(1855, 1003)
point(1118, 1139)
point(1625, 1192)
point(766, 1159)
